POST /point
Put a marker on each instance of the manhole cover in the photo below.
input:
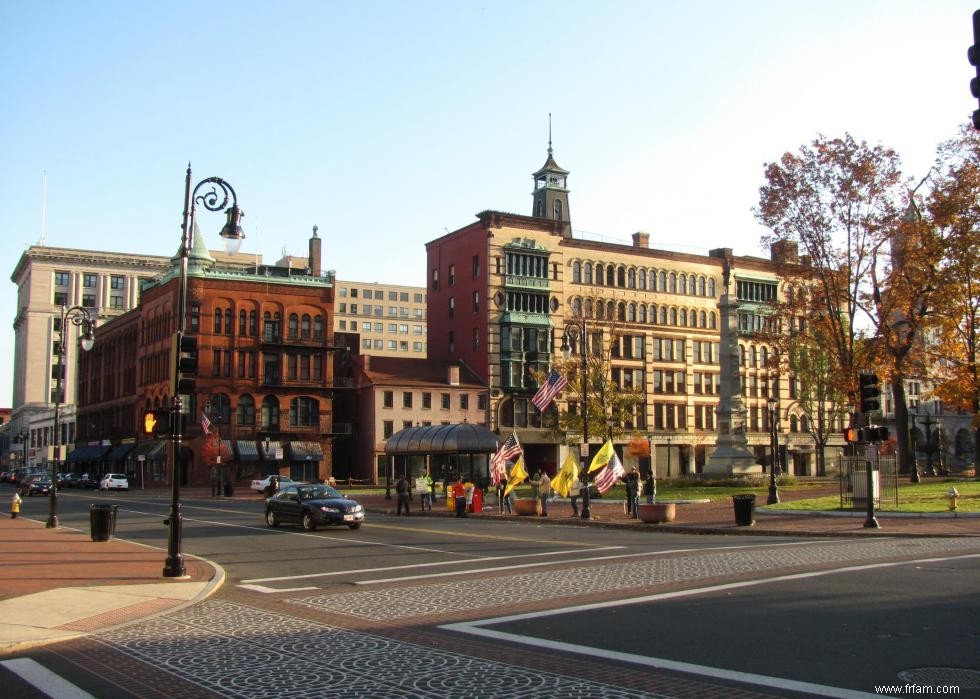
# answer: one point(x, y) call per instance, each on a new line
point(961, 677)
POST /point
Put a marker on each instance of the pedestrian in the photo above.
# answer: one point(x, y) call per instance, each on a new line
point(459, 493)
point(403, 489)
point(632, 492)
point(544, 492)
point(650, 487)
point(535, 492)
point(15, 501)
point(425, 495)
point(273, 486)
point(470, 491)
point(574, 492)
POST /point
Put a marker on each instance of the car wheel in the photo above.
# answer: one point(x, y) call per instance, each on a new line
point(355, 525)
point(271, 518)
point(309, 524)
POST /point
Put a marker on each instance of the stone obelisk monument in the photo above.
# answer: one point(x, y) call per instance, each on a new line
point(731, 455)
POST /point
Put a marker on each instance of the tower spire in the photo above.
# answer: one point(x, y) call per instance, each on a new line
point(550, 151)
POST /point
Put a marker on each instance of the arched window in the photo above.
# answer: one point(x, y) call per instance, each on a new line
point(741, 355)
point(600, 310)
point(631, 278)
point(711, 288)
point(765, 356)
point(673, 316)
point(217, 321)
point(610, 275)
point(673, 283)
point(241, 322)
point(794, 424)
point(754, 355)
point(683, 281)
point(304, 411)
point(701, 290)
point(704, 319)
point(576, 272)
point(641, 279)
point(245, 412)
point(588, 273)
point(293, 326)
point(228, 327)
point(304, 326)
point(631, 313)
point(653, 280)
point(253, 323)
point(683, 317)
point(599, 274)
point(270, 413)
point(588, 308)
point(693, 319)
point(641, 314)
point(558, 210)
point(712, 321)
point(663, 282)
point(621, 312)
point(318, 327)
point(577, 307)
point(663, 315)
point(611, 310)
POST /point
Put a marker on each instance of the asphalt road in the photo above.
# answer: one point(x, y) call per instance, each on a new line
point(444, 608)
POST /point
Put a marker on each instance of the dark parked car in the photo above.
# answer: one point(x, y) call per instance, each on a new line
point(87, 482)
point(312, 506)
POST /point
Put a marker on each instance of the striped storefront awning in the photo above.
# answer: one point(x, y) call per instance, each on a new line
point(301, 451)
point(152, 449)
point(268, 450)
point(89, 453)
point(247, 451)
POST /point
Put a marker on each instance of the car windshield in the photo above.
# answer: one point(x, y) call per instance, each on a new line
point(317, 492)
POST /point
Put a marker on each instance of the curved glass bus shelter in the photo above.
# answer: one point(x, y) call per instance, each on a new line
point(449, 451)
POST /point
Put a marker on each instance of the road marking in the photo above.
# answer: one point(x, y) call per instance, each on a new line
point(44, 680)
point(475, 628)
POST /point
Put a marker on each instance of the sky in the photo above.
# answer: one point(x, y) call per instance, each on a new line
point(388, 123)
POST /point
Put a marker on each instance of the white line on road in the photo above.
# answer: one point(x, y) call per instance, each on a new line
point(475, 628)
point(44, 680)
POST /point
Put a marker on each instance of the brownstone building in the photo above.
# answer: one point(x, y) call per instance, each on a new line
point(265, 373)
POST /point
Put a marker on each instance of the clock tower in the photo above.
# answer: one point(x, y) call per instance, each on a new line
point(551, 191)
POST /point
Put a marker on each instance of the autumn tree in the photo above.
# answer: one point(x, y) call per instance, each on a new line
point(953, 206)
point(838, 201)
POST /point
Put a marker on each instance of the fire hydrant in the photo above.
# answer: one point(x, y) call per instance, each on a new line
point(952, 494)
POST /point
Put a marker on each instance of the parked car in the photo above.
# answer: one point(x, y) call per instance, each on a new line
point(260, 486)
point(87, 482)
point(312, 506)
point(114, 481)
point(36, 485)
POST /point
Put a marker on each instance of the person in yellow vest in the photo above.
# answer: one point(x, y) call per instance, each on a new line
point(15, 505)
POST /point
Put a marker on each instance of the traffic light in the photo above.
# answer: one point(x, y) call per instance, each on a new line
point(870, 393)
point(156, 423)
point(866, 435)
point(852, 435)
point(973, 53)
point(187, 365)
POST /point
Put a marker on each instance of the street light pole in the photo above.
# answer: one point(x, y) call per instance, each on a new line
point(232, 233)
point(773, 403)
point(915, 447)
point(77, 316)
point(576, 327)
point(670, 440)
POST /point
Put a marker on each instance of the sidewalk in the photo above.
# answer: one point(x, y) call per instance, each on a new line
point(57, 584)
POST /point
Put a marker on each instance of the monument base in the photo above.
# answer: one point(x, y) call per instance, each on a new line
point(731, 462)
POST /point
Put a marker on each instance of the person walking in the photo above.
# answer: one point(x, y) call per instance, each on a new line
point(403, 489)
point(536, 491)
point(544, 492)
point(425, 497)
point(650, 487)
point(15, 501)
point(459, 495)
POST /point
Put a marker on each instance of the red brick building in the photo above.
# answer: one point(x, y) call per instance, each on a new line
point(265, 374)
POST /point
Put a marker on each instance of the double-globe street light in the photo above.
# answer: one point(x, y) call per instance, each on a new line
point(232, 234)
point(575, 328)
point(79, 317)
point(773, 404)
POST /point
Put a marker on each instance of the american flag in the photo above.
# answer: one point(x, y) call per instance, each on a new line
point(205, 423)
point(549, 389)
point(610, 474)
point(507, 452)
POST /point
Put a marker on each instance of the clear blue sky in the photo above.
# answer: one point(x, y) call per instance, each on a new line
point(386, 123)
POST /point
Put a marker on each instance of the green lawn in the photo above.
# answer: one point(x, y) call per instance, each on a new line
point(921, 497)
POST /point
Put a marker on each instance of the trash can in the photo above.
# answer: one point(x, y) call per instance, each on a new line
point(744, 509)
point(229, 490)
point(102, 519)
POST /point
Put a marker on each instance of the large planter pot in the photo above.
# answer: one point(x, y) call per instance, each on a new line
point(526, 507)
point(656, 512)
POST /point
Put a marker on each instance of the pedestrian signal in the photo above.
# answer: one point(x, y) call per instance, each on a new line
point(156, 423)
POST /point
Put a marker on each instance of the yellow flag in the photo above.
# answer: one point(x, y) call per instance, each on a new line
point(518, 474)
point(562, 483)
point(602, 456)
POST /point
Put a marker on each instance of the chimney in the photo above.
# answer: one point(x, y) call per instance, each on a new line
point(641, 240)
point(454, 375)
point(314, 262)
point(784, 251)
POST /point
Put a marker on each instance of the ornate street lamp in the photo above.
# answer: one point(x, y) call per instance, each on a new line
point(773, 404)
point(232, 234)
point(77, 316)
point(915, 448)
point(576, 328)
